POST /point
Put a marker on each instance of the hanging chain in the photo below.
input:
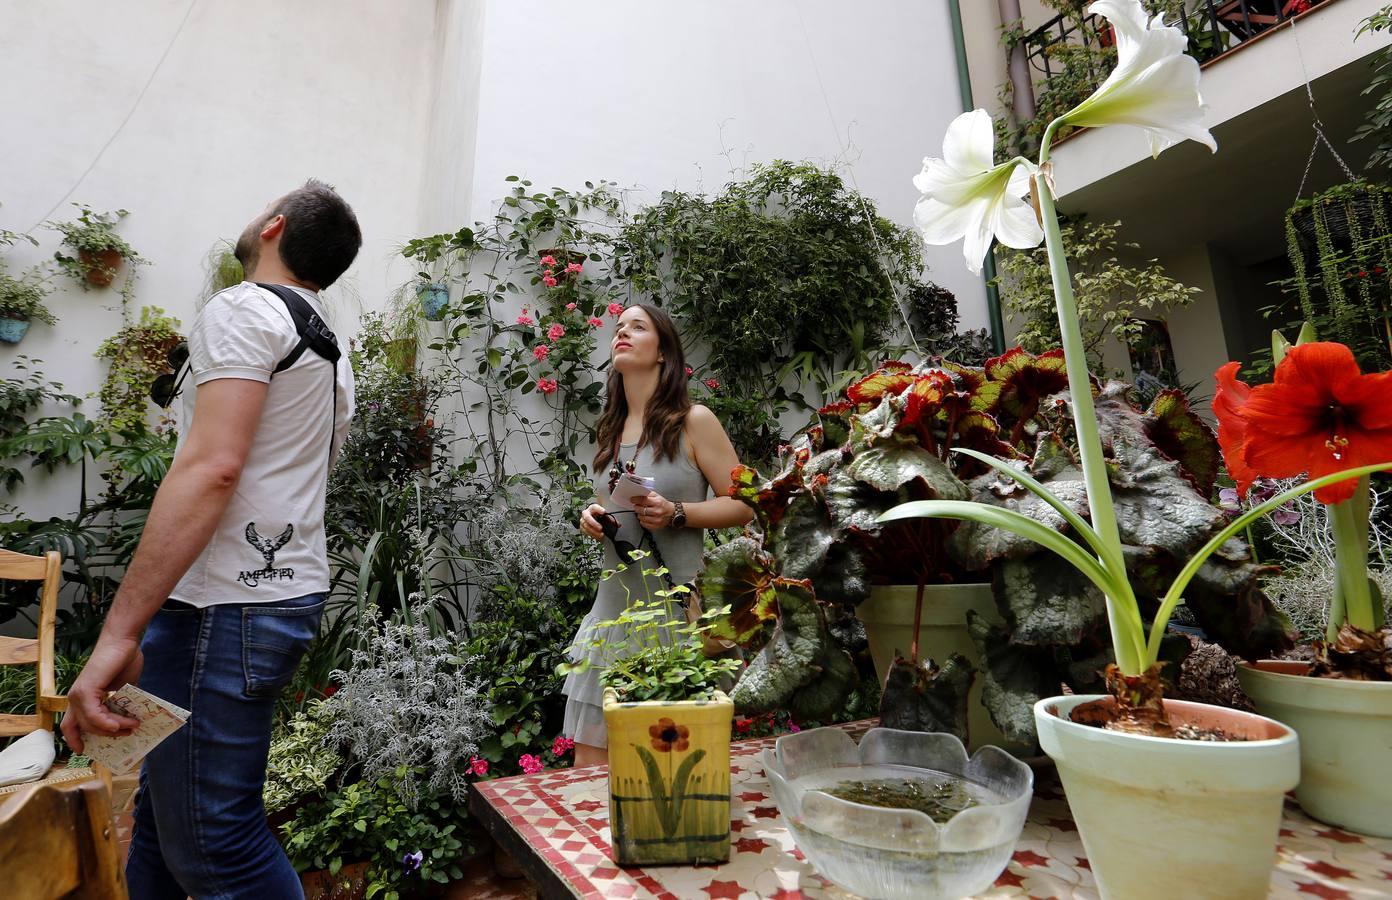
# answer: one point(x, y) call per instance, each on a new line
point(1318, 125)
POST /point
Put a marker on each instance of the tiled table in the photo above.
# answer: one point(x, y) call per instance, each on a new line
point(556, 824)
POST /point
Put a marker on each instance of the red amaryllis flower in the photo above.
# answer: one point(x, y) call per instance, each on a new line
point(668, 736)
point(1320, 415)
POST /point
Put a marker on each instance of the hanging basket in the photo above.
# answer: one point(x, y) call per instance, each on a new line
point(1351, 212)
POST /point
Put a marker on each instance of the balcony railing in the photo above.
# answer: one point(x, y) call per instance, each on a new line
point(1212, 27)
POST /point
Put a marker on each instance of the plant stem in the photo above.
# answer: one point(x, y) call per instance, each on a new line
point(1351, 564)
point(1129, 647)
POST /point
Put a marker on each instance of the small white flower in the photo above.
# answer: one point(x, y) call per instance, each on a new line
point(966, 195)
point(1155, 85)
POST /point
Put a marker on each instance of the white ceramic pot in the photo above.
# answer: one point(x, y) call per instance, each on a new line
point(888, 615)
point(1345, 730)
point(1163, 818)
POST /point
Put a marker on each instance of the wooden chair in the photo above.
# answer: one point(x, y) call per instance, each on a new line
point(58, 840)
point(34, 651)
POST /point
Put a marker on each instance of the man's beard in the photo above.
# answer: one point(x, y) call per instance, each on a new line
point(248, 249)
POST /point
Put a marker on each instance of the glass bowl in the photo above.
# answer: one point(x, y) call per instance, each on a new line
point(977, 805)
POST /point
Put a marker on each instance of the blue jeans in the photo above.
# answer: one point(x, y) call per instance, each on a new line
point(200, 826)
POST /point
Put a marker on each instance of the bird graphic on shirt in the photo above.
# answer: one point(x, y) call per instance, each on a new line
point(268, 546)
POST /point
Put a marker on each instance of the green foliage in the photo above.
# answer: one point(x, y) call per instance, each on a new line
point(1111, 295)
point(661, 656)
point(1378, 119)
point(224, 269)
point(1339, 242)
point(23, 297)
point(369, 821)
point(301, 760)
point(787, 273)
point(19, 398)
point(94, 233)
point(136, 356)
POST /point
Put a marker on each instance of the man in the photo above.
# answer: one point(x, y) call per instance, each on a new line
point(231, 572)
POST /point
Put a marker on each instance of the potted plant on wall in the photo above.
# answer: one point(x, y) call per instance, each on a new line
point(1340, 703)
point(1160, 815)
point(22, 302)
point(669, 732)
point(436, 255)
point(99, 250)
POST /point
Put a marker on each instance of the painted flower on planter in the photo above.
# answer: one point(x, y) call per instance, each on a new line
point(966, 195)
point(531, 764)
point(1319, 415)
point(667, 736)
point(1155, 85)
point(547, 385)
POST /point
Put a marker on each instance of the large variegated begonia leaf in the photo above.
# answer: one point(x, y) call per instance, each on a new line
point(1047, 601)
point(801, 669)
point(738, 574)
point(928, 696)
point(1185, 438)
point(1013, 679)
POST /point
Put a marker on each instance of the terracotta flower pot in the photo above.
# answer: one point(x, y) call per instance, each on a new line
point(1164, 818)
point(349, 884)
point(669, 780)
point(101, 266)
point(1345, 730)
point(888, 617)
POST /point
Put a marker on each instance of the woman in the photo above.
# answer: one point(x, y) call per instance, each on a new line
point(650, 427)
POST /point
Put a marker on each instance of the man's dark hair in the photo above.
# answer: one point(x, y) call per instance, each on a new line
point(321, 236)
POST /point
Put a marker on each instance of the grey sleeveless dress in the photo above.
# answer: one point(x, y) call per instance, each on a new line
point(675, 479)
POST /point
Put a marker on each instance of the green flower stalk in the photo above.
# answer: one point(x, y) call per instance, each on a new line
point(1159, 92)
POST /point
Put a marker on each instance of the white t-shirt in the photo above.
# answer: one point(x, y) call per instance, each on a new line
point(269, 545)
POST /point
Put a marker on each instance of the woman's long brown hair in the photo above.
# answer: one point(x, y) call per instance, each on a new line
point(665, 417)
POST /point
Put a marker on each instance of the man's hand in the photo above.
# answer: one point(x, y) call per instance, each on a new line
point(113, 663)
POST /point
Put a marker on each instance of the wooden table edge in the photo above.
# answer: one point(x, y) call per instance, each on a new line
point(549, 882)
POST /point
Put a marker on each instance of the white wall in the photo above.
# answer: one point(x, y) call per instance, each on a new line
point(252, 98)
point(663, 95)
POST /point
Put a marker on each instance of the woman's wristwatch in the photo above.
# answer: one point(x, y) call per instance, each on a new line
point(678, 515)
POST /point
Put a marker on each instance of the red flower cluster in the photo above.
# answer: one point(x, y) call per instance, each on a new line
point(1320, 415)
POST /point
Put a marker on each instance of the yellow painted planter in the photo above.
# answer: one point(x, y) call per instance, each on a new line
point(669, 780)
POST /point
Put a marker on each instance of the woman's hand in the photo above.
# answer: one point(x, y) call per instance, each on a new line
point(589, 524)
point(654, 510)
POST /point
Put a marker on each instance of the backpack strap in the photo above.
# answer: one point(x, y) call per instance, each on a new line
point(314, 334)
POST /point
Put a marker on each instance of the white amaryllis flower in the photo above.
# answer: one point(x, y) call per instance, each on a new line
point(1155, 85)
point(966, 195)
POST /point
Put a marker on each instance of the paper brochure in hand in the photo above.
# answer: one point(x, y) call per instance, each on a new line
point(629, 487)
point(158, 720)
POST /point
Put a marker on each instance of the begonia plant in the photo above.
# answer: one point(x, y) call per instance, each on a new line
point(1154, 87)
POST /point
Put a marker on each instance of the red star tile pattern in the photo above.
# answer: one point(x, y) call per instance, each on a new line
point(751, 845)
point(546, 812)
point(728, 890)
point(1320, 867)
point(1010, 879)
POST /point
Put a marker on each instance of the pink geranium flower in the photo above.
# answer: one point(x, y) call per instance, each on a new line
point(562, 745)
point(478, 766)
point(574, 268)
point(530, 764)
point(712, 384)
point(541, 351)
point(556, 331)
point(596, 321)
point(548, 260)
point(549, 280)
point(690, 371)
point(525, 319)
point(570, 306)
point(616, 309)
point(547, 385)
